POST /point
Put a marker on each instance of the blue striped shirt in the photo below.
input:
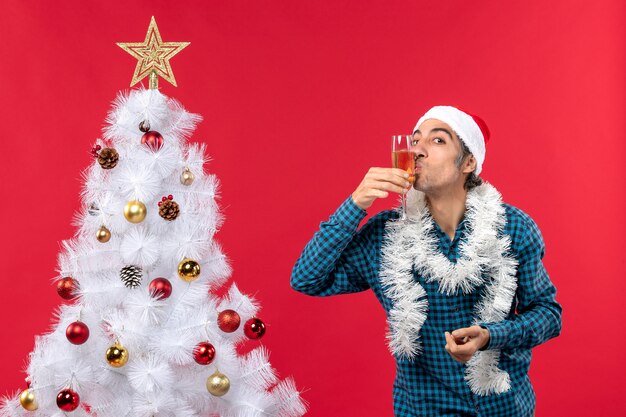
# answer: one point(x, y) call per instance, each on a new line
point(342, 259)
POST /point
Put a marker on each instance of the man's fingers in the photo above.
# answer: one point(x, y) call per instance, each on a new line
point(451, 345)
point(392, 175)
point(466, 350)
point(395, 171)
point(473, 331)
point(378, 183)
point(462, 340)
point(460, 352)
point(386, 186)
point(452, 349)
point(377, 193)
point(461, 333)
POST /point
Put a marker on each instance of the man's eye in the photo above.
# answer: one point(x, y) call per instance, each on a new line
point(414, 142)
point(440, 139)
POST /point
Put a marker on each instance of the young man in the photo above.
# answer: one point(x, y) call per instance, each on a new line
point(461, 279)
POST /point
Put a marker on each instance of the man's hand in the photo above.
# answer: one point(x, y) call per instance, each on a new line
point(378, 182)
point(463, 343)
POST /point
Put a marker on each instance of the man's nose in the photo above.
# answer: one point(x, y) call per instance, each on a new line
point(419, 151)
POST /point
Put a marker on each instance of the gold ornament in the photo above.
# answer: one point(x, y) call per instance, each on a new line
point(188, 270)
point(218, 384)
point(187, 177)
point(153, 56)
point(28, 400)
point(103, 234)
point(117, 355)
point(135, 211)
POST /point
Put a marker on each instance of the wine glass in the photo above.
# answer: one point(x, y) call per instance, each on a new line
point(402, 157)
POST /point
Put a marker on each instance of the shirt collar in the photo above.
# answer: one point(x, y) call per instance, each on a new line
point(444, 238)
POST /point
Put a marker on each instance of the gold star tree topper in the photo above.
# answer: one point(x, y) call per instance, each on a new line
point(153, 56)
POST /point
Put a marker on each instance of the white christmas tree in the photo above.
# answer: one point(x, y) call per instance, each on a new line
point(145, 334)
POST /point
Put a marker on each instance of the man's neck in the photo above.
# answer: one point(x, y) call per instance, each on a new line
point(448, 209)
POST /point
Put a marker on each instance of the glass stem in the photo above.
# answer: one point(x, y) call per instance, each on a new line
point(403, 206)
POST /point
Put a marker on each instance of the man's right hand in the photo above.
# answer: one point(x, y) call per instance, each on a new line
point(378, 182)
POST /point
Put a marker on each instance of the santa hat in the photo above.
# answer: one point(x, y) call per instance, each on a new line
point(472, 130)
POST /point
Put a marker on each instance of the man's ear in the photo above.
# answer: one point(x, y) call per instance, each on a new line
point(469, 165)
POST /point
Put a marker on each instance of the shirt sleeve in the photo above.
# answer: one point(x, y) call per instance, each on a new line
point(336, 260)
point(538, 315)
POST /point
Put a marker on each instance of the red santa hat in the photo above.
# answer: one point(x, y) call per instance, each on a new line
point(471, 129)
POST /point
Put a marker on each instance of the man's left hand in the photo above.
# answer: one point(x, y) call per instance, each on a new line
point(463, 343)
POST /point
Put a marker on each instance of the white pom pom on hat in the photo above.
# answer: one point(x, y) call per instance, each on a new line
point(471, 129)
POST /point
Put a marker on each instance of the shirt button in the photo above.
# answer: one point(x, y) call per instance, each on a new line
point(455, 309)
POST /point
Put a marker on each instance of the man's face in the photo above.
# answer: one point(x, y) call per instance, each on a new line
point(436, 148)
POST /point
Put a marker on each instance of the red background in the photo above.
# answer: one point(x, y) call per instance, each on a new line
point(299, 99)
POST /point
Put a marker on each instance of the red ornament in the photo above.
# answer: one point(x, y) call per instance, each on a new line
point(95, 150)
point(77, 333)
point(66, 287)
point(164, 199)
point(68, 400)
point(160, 288)
point(228, 321)
point(153, 140)
point(254, 328)
point(204, 353)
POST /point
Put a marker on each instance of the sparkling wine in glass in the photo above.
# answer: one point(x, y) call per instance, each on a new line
point(403, 158)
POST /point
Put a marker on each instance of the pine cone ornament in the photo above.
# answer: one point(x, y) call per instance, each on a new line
point(108, 158)
point(168, 208)
point(131, 276)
